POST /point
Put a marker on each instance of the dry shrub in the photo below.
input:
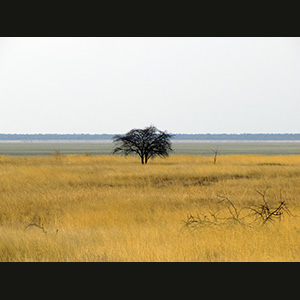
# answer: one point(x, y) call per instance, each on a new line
point(246, 215)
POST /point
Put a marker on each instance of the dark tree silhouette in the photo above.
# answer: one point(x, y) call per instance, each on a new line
point(146, 143)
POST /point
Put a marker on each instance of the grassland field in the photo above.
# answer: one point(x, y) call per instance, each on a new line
point(80, 207)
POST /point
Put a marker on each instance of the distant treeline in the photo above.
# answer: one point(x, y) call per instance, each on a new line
point(54, 137)
point(208, 136)
point(241, 137)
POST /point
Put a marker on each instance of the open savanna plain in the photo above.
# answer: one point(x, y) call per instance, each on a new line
point(105, 208)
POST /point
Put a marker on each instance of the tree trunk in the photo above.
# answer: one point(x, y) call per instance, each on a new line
point(215, 158)
point(142, 159)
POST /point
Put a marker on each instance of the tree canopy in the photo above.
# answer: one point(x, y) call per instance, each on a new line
point(146, 143)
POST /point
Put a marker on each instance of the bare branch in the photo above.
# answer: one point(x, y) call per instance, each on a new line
point(263, 212)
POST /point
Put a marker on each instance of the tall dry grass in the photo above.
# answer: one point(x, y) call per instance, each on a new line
point(109, 208)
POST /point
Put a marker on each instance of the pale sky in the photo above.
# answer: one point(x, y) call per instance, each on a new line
point(182, 85)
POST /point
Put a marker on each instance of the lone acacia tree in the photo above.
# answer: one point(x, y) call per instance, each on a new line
point(146, 143)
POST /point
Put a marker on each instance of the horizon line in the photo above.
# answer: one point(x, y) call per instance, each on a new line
point(222, 133)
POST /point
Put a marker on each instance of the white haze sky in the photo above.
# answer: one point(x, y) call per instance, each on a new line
point(182, 85)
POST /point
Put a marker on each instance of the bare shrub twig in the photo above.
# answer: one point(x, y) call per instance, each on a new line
point(268, 213)
point(263, 212)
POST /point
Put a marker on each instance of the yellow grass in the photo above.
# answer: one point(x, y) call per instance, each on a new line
point(110, 208)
